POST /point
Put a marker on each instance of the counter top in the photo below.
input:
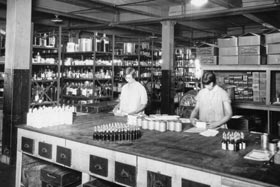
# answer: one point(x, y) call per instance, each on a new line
point(184, 149)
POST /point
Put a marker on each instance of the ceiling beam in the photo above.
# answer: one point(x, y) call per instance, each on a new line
point(271, 24)
point(210, 14)
point(228, 3)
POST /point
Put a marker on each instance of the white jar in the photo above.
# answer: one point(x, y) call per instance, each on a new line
point(144, 124)
point(162, 127)
point(171, 125)
point(157, 125)
point(178, 126)
point(151, 125)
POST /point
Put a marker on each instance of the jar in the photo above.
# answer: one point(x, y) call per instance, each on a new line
point(151, 125)
point(139, 121)
point(171, 125)
point(144, 124)
point(178, 126)
point(157, 125)
point(162, 127)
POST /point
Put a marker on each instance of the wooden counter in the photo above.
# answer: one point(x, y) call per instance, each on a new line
point(178, 155)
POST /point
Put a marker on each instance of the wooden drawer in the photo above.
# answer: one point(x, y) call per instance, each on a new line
point(189, 183)
point(59, 176)
point(98, 165)
point(45, 184)
point(63, 155)
point(125, 174)
point(27, 145)
point(158, 180)
point(45, 150)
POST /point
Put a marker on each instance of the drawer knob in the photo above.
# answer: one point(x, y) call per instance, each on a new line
point(62, 155)
point(98, 167)
point(26, 145)
point(158, 183)
point(124, 174)
point(44, 150)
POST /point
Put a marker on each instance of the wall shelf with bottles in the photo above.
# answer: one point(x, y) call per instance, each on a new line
point(45, 68)
point(87, 69)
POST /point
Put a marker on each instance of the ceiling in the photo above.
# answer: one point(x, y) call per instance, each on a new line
point(132, 19)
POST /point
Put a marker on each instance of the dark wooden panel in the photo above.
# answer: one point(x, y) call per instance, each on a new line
point(63, 155)
point(189, 183)
point(167, 92)
point(45, 150)
point(16, 104)
point(125, 174)
point(27, 145)
point(158, 180)
point(98, 165)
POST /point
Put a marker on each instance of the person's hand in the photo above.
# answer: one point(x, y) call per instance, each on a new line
point(213, 125)
point(193, 121)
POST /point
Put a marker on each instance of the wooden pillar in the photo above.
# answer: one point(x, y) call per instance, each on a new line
point(17, 69)
point(167, 82)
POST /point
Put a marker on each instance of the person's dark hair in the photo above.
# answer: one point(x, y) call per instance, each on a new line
point(131, 71)
point(208, 77)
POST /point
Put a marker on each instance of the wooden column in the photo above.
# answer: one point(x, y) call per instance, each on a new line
point(167, 82)
point(17, 69)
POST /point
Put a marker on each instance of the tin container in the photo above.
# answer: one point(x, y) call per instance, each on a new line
point(162, 127)
point(139, 121)
point(264, 141)
point(144, 124)
point(157, 125)
point(178, 126)
point(151, 125)
point(171, 125)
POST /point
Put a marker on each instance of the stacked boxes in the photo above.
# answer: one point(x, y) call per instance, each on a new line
point(228, 50)
point(207, 54)
point(273, 48)
point(251, 49)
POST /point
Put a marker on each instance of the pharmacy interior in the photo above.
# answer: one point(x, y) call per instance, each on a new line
point(65, 65)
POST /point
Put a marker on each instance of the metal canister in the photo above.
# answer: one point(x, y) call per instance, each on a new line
point(171, 125)
point(162, 127)
point(139, 121)
point(151, 125)
point(178, 126)
point(264, 140)
point(144, 124)
point(157, 125)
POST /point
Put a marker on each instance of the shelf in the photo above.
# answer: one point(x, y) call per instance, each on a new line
point(45, 81)
point(85, 98)
point(78, 79)
point(238, 67)
point(44, 103)
point(44, 64)
point(44, 48)
point(255, 106)
point(80, 65)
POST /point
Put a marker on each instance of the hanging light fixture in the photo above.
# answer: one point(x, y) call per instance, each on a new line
point(56, 19)
point(198, 2)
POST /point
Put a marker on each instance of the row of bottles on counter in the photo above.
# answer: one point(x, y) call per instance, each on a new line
point(38, 59)
point(43, 92)
point(86, 73)
point(44, 39)
point(77, 62)
point(233, 141)
point(40, 117)
point(116, 132)
point(45, 74)
point(86, 89)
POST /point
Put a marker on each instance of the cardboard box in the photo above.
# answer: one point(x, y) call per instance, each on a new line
point(210, 60)
point(207, 50)
point(250, 39)
point(272, 38)
point(273, 59)
point(252, 59)
point(230, 41)
point(228, 59)
point(228, 51)
point(251, 50)
point(273, 49)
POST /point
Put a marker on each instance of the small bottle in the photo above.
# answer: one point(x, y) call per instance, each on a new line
point(224, 142)
point(242, 140)
point(231, 143)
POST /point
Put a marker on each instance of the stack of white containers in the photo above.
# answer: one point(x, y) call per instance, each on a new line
point(251, 49)
point(228, 50)
point(272, 41)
